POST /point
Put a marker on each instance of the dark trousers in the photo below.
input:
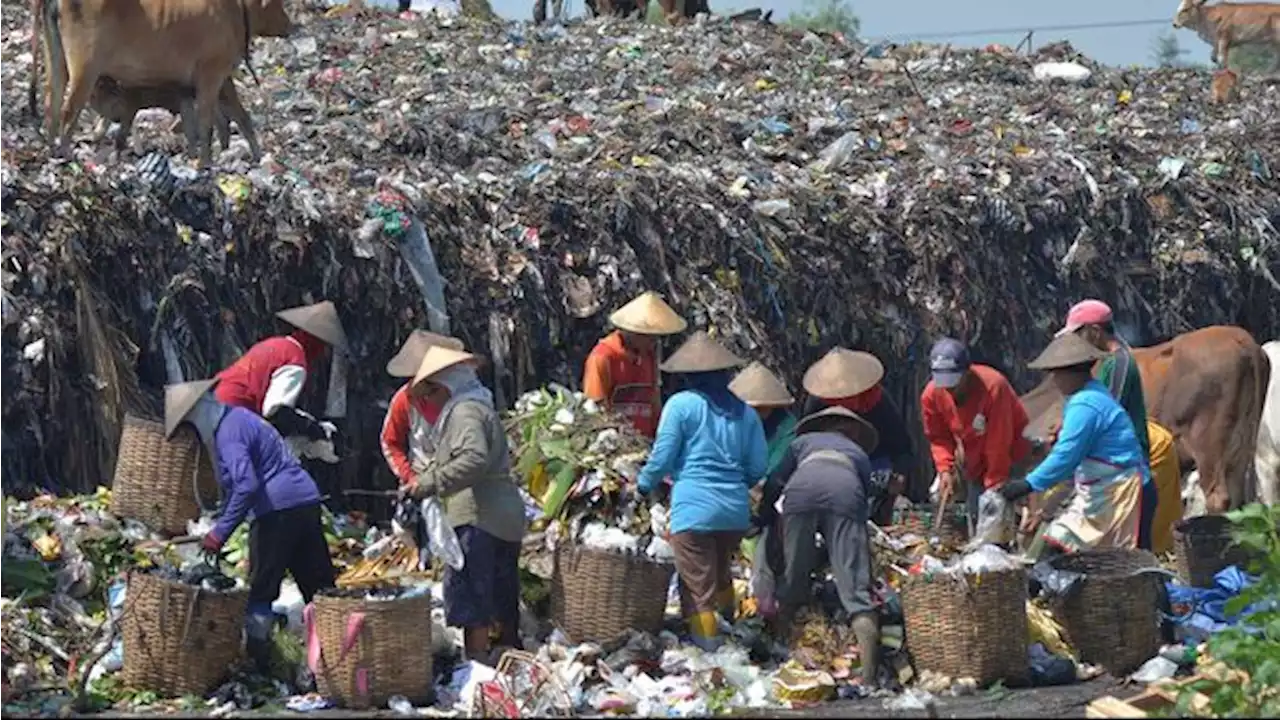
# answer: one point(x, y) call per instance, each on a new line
point(1147, 515)
point(706, 575)
point(486, 591)
point(848, 549)
point(288, 541)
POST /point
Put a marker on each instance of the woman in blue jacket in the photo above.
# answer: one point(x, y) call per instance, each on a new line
point(713, 446)
point(1097, 447)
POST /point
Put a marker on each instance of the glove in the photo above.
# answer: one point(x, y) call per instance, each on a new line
point(211, 543)
point(1015, 490)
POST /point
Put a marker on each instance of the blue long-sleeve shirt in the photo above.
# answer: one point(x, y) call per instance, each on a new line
point(257, 472)
point(713, 460)
point(1094, 426)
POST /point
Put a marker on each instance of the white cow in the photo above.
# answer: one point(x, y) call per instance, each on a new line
point(1266, 462)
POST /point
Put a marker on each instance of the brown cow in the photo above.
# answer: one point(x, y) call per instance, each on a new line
point(195, 43)
point(1207, 387)
point(121, 104)
point(1229, 25)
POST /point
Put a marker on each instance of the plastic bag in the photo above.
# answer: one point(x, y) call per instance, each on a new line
point(441, 539)
point(1047, 581)
point(996, 522)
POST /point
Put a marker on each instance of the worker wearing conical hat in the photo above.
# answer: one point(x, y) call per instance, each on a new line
point(261, 481)
point(1097, 446)
point(712, 445)
point(406, 430)
point(622, 370)
point(765, 392)
point(970, 410)
point(268, 379)
point(851, 380)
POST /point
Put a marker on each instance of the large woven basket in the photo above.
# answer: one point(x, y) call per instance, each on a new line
point(156, 479)
point(598, 595)
point(389, 655)
point(180, 639)
point(1112, 618)
point(1203, 547)
point(970, 627)
point(919, 520)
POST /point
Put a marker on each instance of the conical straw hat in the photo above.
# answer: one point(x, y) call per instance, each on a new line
point(321, 320)
point(439, 358)
point(843, 373)
point(1066, 351)
point(758, 387)
point(406, 362)
point(179, 399)
point(864, 433)
point(700, 353)
point(648, 315)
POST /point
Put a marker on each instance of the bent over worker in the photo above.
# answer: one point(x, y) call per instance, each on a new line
point(851, 380)
point(268, 379)
point(1093, 321)
point(470, 469)
point(971, 406)
point(823, 488)
point(260, 481)
point(714, 449)
point(1097, 446)
point(406, 430)
point(622, 370)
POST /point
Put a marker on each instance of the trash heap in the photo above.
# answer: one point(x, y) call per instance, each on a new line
point(790, 190)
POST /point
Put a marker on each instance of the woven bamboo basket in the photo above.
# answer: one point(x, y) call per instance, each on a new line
point(598, 595)
point(970, 627)
point(389, 655)
point(180, 639)
point(156, 480)
point(919, 519)
point(1203, 547)
point(1112, 619)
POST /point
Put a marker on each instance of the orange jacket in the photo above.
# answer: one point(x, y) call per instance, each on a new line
point(625, 382)
point(988, 426)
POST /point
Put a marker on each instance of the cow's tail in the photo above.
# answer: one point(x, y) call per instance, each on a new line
point(51, 34)
point(1262, 381)
point(248, 40)
point(37, 10)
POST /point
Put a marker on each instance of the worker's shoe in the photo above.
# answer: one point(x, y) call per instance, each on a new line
point(866, 628)
point(705, 630)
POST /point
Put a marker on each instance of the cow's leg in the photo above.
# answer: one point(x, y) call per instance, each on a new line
point(126, 127)
point(208, 87)
point(229, 101)
point(80, 82)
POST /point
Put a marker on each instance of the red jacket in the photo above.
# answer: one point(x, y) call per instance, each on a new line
point(244, 383)
point(407, 417)
point(988, 426)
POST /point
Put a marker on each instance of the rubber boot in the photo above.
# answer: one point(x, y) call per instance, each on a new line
point(257, 627)
point(866, 628)
point(727, 603)
point(705, 630)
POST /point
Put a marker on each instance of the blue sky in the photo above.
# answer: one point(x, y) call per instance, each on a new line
point(905, 19)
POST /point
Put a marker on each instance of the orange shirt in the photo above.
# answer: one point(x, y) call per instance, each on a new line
point(988, 426)
point(406, 417)
point(625, 382)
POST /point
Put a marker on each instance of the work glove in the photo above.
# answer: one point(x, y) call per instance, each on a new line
point(210, 544)
point(1015, 490)
point(755, 528)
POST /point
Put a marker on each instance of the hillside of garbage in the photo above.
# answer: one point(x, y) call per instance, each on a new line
point(512, 184)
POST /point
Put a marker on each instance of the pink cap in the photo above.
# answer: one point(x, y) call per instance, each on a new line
point(1086, 312)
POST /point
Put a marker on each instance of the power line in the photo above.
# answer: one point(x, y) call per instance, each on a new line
point(1024, 29)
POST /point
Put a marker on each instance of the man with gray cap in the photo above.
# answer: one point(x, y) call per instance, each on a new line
point(974, 422)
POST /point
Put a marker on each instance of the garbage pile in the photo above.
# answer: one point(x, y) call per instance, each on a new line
point(790, 190)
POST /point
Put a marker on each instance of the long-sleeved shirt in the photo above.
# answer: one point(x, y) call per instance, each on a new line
point(823, 471)
point(1119, 373)
point(270, 374)
point(406, 431)
point(471, 469)
point(257, 472)
point(625, 381)
point(989, 425)
point(780, 440)
point(713, 460)
point(1094, 427)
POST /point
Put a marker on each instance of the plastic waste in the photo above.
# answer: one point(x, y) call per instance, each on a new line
point(443, 540)
point(996, 523)
point(1048, 669)
point(1046, 581)
point(400, 705)
point(987, 558)
point(1157, 668)
point(1068, 71)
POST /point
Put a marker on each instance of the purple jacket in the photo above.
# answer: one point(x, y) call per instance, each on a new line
point(257, 472)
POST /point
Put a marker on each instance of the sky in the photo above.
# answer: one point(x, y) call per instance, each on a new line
point(904, 20)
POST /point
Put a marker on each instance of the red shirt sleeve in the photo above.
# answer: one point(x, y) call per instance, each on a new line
point(595, 377)
point(937, 430)
point(395, 436)
point(1000, 442)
